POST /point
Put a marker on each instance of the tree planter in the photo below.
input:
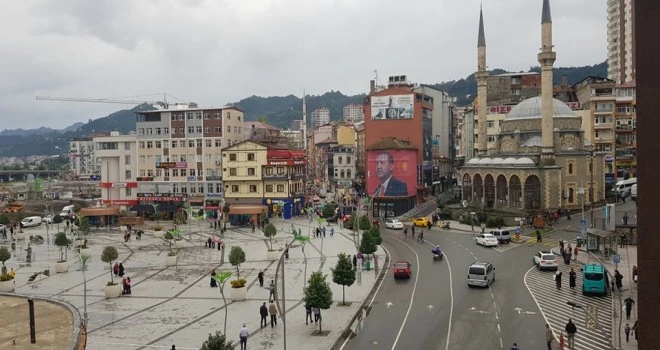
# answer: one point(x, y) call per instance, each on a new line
point(86, 252)
point(112, 291)
point(170, 260)
point(273, 255)
point(7, 286)
point(78, 242)
point(178, 243)
point(159, 234)
point(238, 294)
point(61, 267)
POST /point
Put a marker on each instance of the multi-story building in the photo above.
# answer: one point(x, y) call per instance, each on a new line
point(117, 155)
point(511, 88)
point(341, 166)
point(353, 113)
point(621, 40)
point(179, 154)
point(345, 134)
point(294, 138)
point(360, 156)
point(83, 161)
point(296, 125)
point(256, 174)
point(320, 116)
point(625, 157)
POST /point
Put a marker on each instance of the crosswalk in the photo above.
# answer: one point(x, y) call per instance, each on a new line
point(553, 305)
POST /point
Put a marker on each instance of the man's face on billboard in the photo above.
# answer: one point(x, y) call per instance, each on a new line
point(383, 167)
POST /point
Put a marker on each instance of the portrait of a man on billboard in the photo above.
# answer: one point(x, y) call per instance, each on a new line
point(389, 185)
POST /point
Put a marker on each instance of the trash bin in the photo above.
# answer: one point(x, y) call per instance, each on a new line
point(579, 241)
point(367, 265)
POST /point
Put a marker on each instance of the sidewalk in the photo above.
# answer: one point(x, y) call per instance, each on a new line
point(176, 305)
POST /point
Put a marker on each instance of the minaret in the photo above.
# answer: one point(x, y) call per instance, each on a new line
point(546, 59)
point(304, 123)
point(482, 89)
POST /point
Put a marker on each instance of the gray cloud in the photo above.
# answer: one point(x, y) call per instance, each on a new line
point(215, 52)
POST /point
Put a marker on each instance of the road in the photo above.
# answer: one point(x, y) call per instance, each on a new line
point(422, 308)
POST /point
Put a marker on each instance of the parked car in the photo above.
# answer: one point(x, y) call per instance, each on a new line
point(394, 224)
point(48, 219)
point(421, 222)
point(481, 274)
point(402, 269)
point(503, 236)
point(486, 240)
point(545, 261)
point(31, 221)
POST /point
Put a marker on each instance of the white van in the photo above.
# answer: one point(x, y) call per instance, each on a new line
point(31, 221)
point(481, 274)
point(67, 211)
point(633, 192)
point(623, 186)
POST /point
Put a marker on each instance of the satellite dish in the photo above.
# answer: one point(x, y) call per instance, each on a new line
point(464, 203)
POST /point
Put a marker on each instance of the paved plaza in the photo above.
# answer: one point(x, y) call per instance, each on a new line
point(176, 305)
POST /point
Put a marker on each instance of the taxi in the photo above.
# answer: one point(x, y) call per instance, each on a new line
point(421, 222)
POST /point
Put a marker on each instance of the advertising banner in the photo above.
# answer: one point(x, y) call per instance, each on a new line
point(391, 173)
point(392, 107)
point(171, 165)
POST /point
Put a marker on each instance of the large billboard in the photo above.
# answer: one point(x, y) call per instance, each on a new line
point(392, 107)
point(391, 173)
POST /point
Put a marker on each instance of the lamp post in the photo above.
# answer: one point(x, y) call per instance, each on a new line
point(281, 303)
point(222, 278)
point(83, 261)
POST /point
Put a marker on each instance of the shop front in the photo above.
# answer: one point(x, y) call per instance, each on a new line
point(166, 203)
point(101, 216)
point(387, 207)
point(284, 207)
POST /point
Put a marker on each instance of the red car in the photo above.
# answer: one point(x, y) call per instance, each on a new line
point(402, 269)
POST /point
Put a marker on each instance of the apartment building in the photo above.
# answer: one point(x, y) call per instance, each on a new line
point(341, 166)
point(117, 156)
point(320, 116)
point(625, 157)
point(83, 162)
point(256, 174)
point(360, 160)
point(621, 40)
point(353, 113)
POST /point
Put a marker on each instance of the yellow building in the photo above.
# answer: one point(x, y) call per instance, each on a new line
point(242, 172)
point(346, 135)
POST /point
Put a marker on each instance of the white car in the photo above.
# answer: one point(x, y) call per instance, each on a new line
point(48, 219)
point(545, 261)
point(394, 224)
point(486, 240)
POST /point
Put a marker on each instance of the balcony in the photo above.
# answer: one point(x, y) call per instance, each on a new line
point(603, 126)
point(275, 176)
point(213, 178)
point(625, 128)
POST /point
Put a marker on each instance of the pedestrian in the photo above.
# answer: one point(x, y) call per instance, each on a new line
point(483, 227)
point(515, 346)
point(138, 235)
point(308, 314)
point(575, 253)
point(627, 331)
point(243, 335)
point(317, 314)
point(128, 285)
point(572, 276)
point(263, 311)
point(567, 256)
point(323, 231)
point(635, 329)
point(405, 232)
point(97, 226)
point(123, 286)
point(539, 238)
point(271, 287)
point(115, 269)
point(260, 276)
point(173, 347)
point(618, 278)
point(625, 218)
point(634, 273)
point(214, 283)
point(354, 262)
point(207, 244)
point(558, 279)
point(332, 231)
point(629, 304)
point(121, 270)
point(561, 247)
point(571, 330)
point(273, 314)
point(413, 231)
point(548, 336)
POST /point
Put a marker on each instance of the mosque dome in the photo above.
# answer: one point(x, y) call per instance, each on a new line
point(532, 108)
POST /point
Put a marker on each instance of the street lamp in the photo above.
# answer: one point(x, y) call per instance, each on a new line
point(282, 307)
point(222, 278)
point(83, 260)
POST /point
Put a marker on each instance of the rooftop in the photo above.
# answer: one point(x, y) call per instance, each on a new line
point(532, 108)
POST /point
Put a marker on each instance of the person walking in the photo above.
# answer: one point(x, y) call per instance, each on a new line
point(625, 218)
point(548, 336)
point(273, 314)
point(421, 236)
point(308, 314)
point(635, 329)
point(332, 231)
point(121, 270)
point(128, 285)
point(558, 279)
point(271, 287)
point(572, 276)
point(263, 311)
point(634, 273)
point(515, 346)
point(629, 304)
point(571, 330)
point(260, 276)
point(575, 253)
point(618, 279)
point(354, 262)
point(539, 238)
point(317, 314)
point(243, 335)
point(627, 331)
point(115, 269)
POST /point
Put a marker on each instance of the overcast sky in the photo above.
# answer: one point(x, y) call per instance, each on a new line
point(220, 51)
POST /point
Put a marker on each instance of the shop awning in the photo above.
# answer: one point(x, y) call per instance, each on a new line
point(99, 211)
point(143, 208)
point(169, 208)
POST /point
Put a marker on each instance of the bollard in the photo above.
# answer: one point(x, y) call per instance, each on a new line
point(33, 335)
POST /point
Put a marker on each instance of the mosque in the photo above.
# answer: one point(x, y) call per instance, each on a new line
point(541, 159)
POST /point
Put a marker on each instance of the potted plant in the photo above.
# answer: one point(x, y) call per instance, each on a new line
point(83, 229)
point(109, 255)
point(61, 241)
point(238, 286)
point(170, 259)
point(270, 231)
point(6, 280)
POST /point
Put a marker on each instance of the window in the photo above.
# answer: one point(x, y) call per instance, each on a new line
point(253, 188)
point(127, 159)
point(239, 118)
point(127, 175)
point(174, 143)
point(199, 143)
point(232, 171)
point(150, 144)
point(570, 168)
point(142, 159)
point(208, 143)
point(491, 138)
point(571, 193)
point(129, 191)
point(228, 115)
point(251, 172)
point(166, 172)
point(193, 189)
point(339, 159)
point(198, 129)
point(217, 129)
point(269, 188)
point(206, 116)
point(490, 123)
point(189, 116)
point(191, 143)
point(348, 173)
point(348, 159)
point(341, 174)
point(159, 144)
point(141, 144)
point(280, 188)
point(181, 130)
point(127, 146)
point(209, 188)
point(175, 172)
point(280, 170)
point(251, 157)
point(150, 172)
point(198, 115)
point(150, 131)
point(182, 158)
point(207, 129)
point(141, 131)
point(269, 171)
point(191, 129)
point(166, 131)
point(200, 172)
point(159, 172)
point(192, 172)
point(158, 159)
point(184, 172)
point(228, 128)
point(166, 144)
point(232, 157)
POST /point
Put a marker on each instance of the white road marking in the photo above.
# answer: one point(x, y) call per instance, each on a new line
point(388, 304)
point(430, 307)
point(534, 298)
point(412, 296)
point(451, 294)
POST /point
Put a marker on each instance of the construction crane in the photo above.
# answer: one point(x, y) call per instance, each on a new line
point(162, 103)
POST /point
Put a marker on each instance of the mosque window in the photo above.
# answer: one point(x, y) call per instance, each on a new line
point(570, 168)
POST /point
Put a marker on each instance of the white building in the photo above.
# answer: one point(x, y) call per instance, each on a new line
point(320, 116)
point(82, 159)
point(341, 166)
point(353, 113)
point(294, 136)
point(620, 41)
point(117, 155)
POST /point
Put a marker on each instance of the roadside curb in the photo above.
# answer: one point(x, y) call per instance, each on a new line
point(348, 333)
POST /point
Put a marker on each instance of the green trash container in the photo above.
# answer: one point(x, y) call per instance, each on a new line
point(367, 265)
point(579, 242)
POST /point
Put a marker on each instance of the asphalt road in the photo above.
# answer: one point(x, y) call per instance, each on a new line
point(423, 307)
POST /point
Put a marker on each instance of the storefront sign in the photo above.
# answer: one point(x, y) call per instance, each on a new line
point(119, 201)
point(171, 165)
point(287, 162)
point(118, 185)
point(163, 199)
point(145, 178)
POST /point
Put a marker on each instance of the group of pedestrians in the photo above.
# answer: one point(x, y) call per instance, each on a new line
point(118, 270)
point(321, 231)
point(420, 236)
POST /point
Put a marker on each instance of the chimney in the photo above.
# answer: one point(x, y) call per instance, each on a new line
point(372, 86)
point(564, 80)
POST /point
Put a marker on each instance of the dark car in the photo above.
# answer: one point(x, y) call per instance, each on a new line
point(402, 269)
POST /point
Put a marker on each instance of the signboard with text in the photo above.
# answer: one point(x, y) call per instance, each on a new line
point(119, 201)
point(171, 165)
point(392, 107)
point(287, 162)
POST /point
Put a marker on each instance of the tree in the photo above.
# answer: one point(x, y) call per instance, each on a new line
point(158, 216)
point(343, 274)
point(270, 231)
point(4, 256)
point(4, 219)
point(217, 341)
point(179, 218)
point(365, 223)
point(109, 255)
point(318, 293)
point(328, 211)
point(368, 244)
point(61, 241)
point(169, 237)
point(83, 226)
point(236, 258)
point(225, 210)
point(375, 234)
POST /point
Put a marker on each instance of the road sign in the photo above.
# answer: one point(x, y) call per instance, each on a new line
point(616, 258)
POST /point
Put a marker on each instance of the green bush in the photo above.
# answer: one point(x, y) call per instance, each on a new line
point(158, 228)
point(239, 283)
point(4, 219)
point(5, 278)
